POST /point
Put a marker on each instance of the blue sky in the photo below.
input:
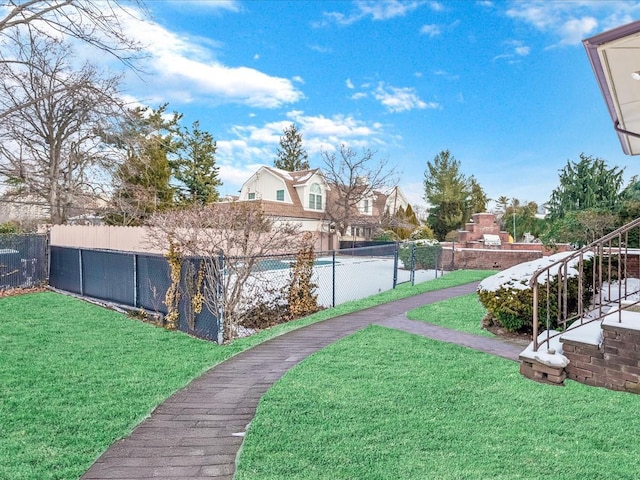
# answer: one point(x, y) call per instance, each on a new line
point(505, 86)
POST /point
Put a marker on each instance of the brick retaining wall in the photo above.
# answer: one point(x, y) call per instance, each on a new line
point(614, 365)
point(485, 259)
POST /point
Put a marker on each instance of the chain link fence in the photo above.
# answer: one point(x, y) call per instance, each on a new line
point(251, 298)
point(23, 260)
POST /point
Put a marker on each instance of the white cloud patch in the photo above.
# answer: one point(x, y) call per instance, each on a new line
point(431, 30)
point(229, 5)
point(376, 10)
point(386, 9)
point(446, 75)
point(516, 50)
point(247, 147)
point(183, 67)
point(575, 29)
point(349, 84)
point(319, 48)
point(397, 99)
point(571, 22)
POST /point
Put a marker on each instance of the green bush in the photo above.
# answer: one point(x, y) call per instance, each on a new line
point(427, 254)
point(512, 307)
point(422, 233)
point(9, 227)
point(386, 236)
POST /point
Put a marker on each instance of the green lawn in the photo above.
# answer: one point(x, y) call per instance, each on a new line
point(383, 404)
point(75, 377)
point(460, 313)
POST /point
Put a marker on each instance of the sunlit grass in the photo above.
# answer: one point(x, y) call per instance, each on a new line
point(384, 404)
point(459, 313)
point(75, 377)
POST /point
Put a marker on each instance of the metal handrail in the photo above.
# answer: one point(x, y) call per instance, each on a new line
point(602, 251)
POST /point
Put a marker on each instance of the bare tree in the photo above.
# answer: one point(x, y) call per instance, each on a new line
point(244, 235)
point(49, 147)
point(98, 23)
point(354, 178)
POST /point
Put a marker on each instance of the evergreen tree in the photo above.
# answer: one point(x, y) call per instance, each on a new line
point(195, 167)
point(142, 179)
point(291, 155)
point(478, 198)
point(447, 190)
point(587, 184)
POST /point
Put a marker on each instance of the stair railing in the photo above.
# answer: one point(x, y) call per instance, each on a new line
point(606, 262)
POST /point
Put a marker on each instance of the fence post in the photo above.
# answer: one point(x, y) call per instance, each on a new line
point(135, 280)
point(395, 265)
point(80, 271)
point(413, 264)
point(333, 272)
point(453, 256)
point(220, 300)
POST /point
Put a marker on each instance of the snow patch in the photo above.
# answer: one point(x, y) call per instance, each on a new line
point(518, 276)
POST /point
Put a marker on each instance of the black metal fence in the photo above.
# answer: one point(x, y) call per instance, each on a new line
point(23, 260)
point(141, 281)
point(130, 279)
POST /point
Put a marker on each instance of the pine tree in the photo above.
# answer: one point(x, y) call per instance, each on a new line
point(291, 155)
point(195, 167)
point(448, 191)
point(142, 180)
point(584, 185)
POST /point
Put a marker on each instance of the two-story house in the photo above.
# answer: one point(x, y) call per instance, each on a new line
point(306, 198)
point(297, 197)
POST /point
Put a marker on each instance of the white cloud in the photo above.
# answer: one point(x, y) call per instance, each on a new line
point(400, 99)
point(182, 67)
point(253, 144)
point(247, 147)
point(386, 9)
point(436, 6)
point(575, 29)
point(445, 74)
point(229, 5)
point(359, 95)
point(516, 49)
point(431, 30)
point(319, 48)
point(571, 22)
point(349, 84)
point(376, 10)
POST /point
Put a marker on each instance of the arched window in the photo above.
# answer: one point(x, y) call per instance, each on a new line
point(315, 197)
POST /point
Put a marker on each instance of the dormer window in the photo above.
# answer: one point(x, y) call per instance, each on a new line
point(366, 206)
point(315, 197)
point(280, 195)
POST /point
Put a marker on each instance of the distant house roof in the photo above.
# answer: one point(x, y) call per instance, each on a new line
point(615, 59)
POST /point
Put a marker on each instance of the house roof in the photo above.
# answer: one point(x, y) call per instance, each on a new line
point(296, 210)
point(615, 59)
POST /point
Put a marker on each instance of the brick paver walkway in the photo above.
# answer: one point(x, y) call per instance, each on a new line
point(197, 432)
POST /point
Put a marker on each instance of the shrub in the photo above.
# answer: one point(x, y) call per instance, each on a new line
point(9, 227)
point(386, 236)
point(427, 253)
point(302, 299)
point(422, 233)
point(511, 303)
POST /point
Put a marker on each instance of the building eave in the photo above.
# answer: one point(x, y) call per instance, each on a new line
point(614, 56)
